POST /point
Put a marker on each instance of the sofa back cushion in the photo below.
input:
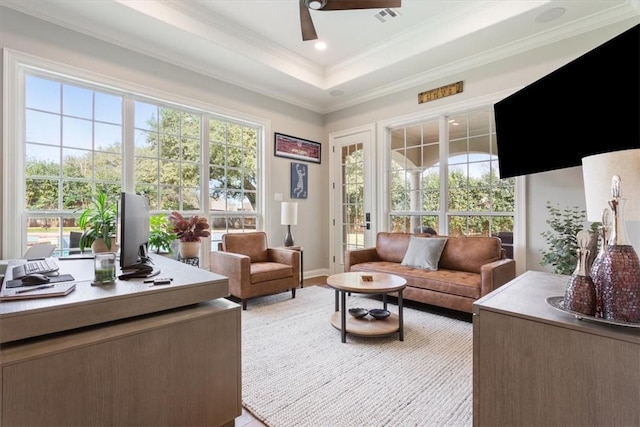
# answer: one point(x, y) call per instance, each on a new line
point(392, 246)
point(470, 253)
point(253, 245)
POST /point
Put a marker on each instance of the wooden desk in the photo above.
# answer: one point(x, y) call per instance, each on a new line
point(535, 365)
point(124, 354)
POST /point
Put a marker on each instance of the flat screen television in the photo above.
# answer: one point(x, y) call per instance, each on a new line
point(589, 106)
point(134, 219)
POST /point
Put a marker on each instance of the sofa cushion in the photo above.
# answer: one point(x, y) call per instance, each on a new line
point(470, 253)
point(393, 246)
point(449, 282)
point(424, 252)
point(267, 271)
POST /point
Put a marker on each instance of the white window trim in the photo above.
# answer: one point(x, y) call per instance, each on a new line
point(15, 64)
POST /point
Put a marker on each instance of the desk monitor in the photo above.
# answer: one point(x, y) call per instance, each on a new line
point(134, 237)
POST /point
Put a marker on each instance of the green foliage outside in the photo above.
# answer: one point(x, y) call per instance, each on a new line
point(160, 235)
point(167, 168)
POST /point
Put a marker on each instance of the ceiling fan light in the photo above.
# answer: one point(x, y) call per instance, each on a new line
point(316, 4)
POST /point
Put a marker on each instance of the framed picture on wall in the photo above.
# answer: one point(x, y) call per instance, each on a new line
point(299, 180)
point(297, 148)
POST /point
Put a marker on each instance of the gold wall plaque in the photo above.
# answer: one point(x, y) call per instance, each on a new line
point(440, 92)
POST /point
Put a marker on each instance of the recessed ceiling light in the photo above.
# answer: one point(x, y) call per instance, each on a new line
point(550, 14)
point(320, 45)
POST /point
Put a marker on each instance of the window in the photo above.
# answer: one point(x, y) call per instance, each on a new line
point(233, 179)
point(75, 140)
point(471, 199)
point(72, 149)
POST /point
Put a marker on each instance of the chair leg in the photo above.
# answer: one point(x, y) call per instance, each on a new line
point(244, 304)
point(293, 292)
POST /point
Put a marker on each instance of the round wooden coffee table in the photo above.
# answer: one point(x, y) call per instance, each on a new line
point(381, 283)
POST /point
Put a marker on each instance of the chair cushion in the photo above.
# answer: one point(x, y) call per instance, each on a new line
point(267, 271)
point(253, 245)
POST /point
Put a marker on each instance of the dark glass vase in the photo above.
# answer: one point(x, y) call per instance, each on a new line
point(580, 293)
point(620, 272)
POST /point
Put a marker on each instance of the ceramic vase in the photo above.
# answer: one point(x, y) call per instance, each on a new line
point(99, 246)
point(189, 249)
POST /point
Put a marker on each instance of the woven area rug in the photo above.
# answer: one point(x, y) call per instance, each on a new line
point(297, 372)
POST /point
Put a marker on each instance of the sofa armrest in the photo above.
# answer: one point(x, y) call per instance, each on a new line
point(496, 274)
point(236, 267)
point(357, 256)
point(286, 256)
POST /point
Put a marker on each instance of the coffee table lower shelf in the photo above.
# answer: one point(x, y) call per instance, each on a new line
point(367, 327)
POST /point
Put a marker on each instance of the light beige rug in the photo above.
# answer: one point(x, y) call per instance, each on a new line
point(297, 372)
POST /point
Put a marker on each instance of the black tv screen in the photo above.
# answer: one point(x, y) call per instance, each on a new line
point(589, 106)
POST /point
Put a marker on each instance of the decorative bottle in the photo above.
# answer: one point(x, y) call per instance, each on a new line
point(580, 294)
point(620, 267)
point(596, 267)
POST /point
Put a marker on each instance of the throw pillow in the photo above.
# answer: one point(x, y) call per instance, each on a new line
point(424, 252)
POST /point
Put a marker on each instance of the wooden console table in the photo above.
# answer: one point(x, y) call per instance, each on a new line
point(123, 354)
point(536, 365)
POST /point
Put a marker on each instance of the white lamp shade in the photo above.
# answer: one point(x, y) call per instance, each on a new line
point(289, 213)
point(597, 171)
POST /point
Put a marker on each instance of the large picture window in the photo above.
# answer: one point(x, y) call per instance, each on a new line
point(75, 142)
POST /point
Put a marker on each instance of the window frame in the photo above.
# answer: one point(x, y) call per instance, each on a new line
point(15, 67)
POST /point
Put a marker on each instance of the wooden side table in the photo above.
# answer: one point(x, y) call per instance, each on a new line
point(301, 250)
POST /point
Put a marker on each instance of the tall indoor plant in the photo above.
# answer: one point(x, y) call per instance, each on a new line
point(189, 231)
point(99, 224)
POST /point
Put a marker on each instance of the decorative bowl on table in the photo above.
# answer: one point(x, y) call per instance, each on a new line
point(358, 313)
point(379, 314)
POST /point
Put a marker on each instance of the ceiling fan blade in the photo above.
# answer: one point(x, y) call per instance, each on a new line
point(306, 24)
point(360, 4)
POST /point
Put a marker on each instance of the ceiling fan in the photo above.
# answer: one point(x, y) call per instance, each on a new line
point(306, 24)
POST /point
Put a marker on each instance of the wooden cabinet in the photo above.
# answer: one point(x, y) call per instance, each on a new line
point(538, 366)
point(163, 359)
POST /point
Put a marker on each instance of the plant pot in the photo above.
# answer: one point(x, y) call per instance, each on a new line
point(98, 246)
point(189, 249)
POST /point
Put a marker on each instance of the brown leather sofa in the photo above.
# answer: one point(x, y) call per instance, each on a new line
point(469, 268)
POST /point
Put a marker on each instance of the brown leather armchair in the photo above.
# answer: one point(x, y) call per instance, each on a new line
point(253, 268)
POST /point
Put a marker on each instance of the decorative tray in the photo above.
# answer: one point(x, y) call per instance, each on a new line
point(558, 303)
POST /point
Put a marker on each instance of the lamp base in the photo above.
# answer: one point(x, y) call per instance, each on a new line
point(288, 239)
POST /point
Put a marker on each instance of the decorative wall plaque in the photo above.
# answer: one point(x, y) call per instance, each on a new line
point(440, 92)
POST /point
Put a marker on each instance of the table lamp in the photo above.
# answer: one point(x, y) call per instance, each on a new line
point(289, 217)
point(612, 181)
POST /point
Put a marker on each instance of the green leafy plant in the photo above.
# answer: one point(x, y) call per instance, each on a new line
point(98, 221)
point(189, 229)
point(561, 239)
point(160, 235)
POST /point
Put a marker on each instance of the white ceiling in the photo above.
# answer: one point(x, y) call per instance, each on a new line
point(257, 44)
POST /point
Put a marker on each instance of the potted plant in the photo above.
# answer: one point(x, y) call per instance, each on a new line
point(189, 232)
point(562, 238)
point(160, 235)
point(99, 224)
